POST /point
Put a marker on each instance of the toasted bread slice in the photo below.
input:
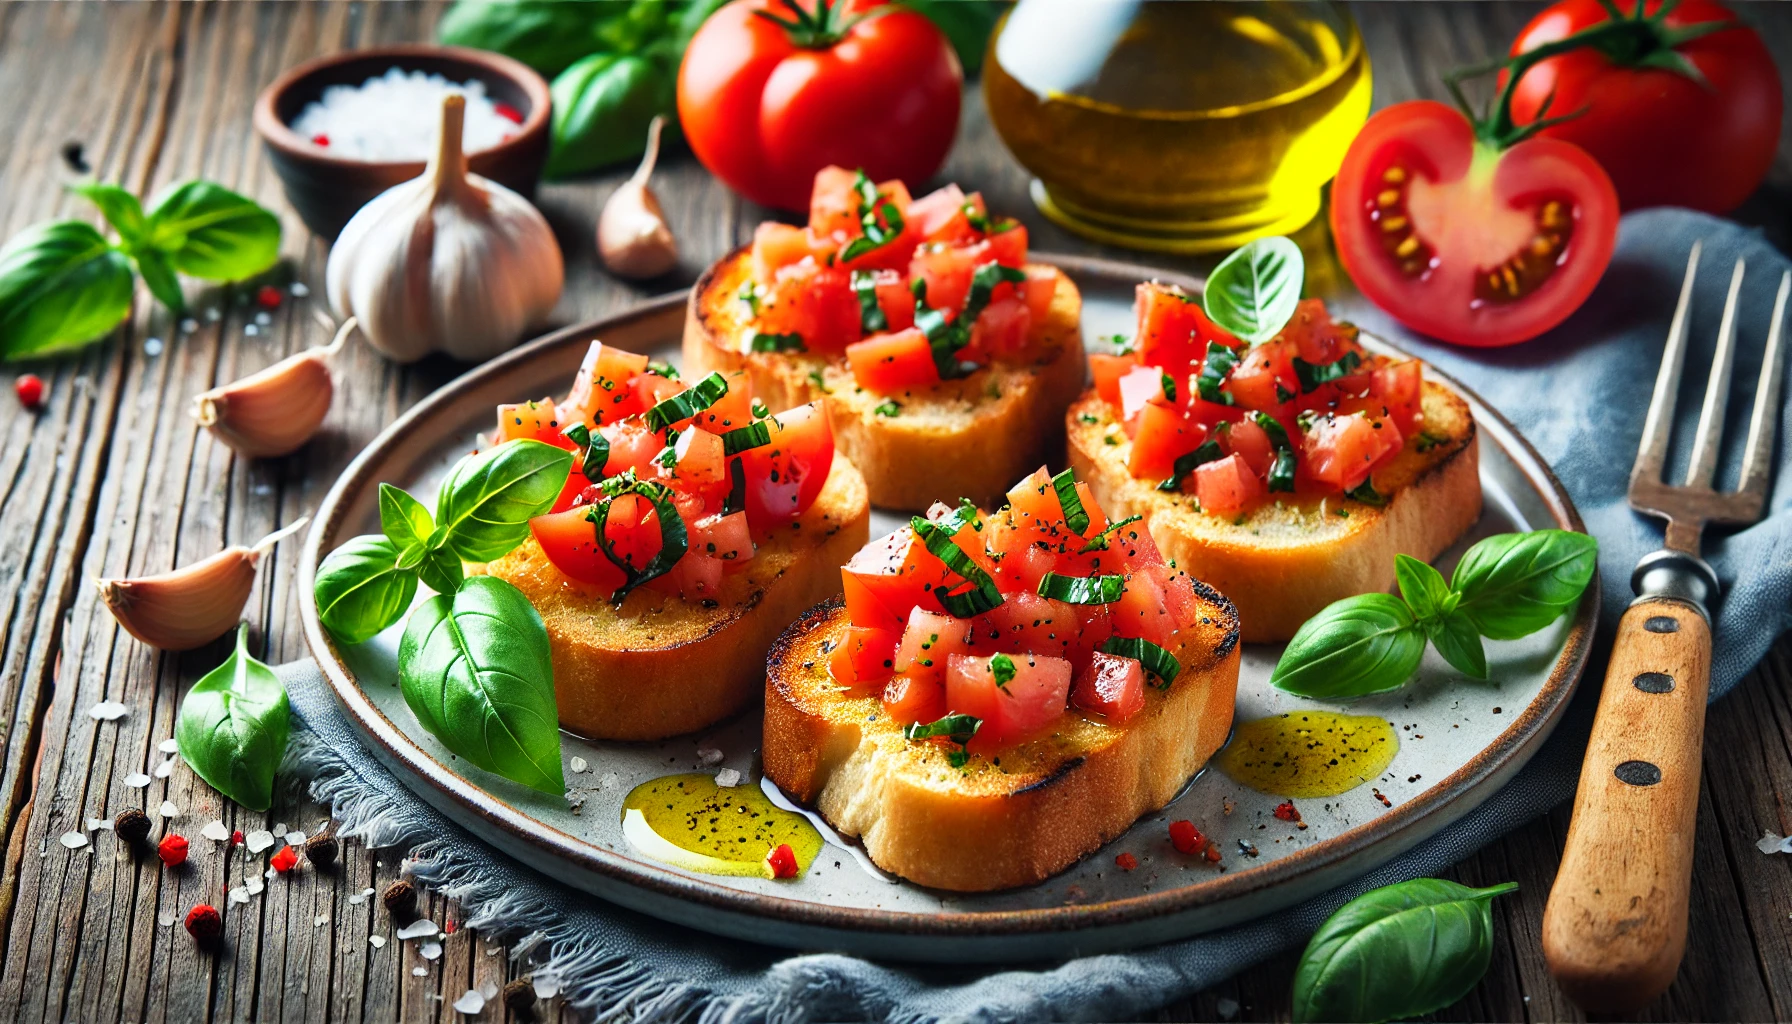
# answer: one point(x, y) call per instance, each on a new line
point(959, 438)
point(1048, 803)
point(659, 665)
point(1287, 560)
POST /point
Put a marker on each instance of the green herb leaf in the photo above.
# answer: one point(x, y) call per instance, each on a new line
point(1397, 952)
point(754, 435)
point(547, 35)
point(1360, 645)
point(1424, 588)
point(488, 498)
point(871, 314)
point(406, 523)
point(955, 727)
point(61, 286)
point(763, 342)
point(982, 594)
point(1169, 386)
point(1514, 584)
point(1281, 471)
point(441, 570)
point(597, 451)
point(1082, 589)
point(674, 539)
point(1157, 661)
point(1254, 291)
point(361, 590)
point(602, 107)
point(233, 727)
point(947, 337)
point(1001, 666)
point(475, 670)
point(1207, 451)
point(1366, 493)
point(688, 403)
point(889, 409)
point(1219, 361)
point(1456, 638)
point(1101, 540)
point(159, 275)
point(1075, 516)
point(120, 208)
point(210, 232)
point(880, 220)
point(1311, 375)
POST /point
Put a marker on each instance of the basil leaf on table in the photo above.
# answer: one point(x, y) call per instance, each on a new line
point(406, 523)
point(61, 285)
point(1397, 952)
point(210, 232)
point(602, 106)
point(547, 35)
point(120, 208)
point(1360, 645)
point(1456, 638)
point(1514, 584)
point(160, 277)
point(360, 589)
point(1423, 587)
point(475, 670)
point(1254, 291)
point(233, 727)
point(485, 504)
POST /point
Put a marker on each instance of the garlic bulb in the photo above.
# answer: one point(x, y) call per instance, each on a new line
point(194, 604)
point(447, 261)
point(632, 236)
point(274, 411)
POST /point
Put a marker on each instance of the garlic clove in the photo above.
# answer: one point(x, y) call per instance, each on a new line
point(274, 411)
point(632, 236)
point(194, 604)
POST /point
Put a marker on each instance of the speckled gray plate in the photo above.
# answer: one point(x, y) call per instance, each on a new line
point(1460, 740)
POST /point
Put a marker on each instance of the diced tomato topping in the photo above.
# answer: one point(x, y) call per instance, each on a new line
point(632, 446)
point(888, 363)
point(1251, 443)
point(1022, 707)
point(1313, 335)
point(927, 640)
point(1165, 327)
point(730, 412)
point(1112, 687)
point(1107, 371)
point(910, 698)
point(864, 656)
point(693, 577)
point(1228, 486)
point(535, 421)
point(1009, 245)
point(947, 271)
point(1001, 329)
point(776, 246)
point(699, 455)
point(1140, 612)
point(601, 391)
point(895, 299)
point(1343, 450)
point(786, 476)
point(1024, 623)
point(1400, 387)
point(569, 540)
point(723, 537)
point(1141, 384)
point(1162, 436)
point(1040, 287)
point(813, 302)
point(1264, 379)
point(888, 577)
point(1186, 838)
point(834, 203)
point(939, 216)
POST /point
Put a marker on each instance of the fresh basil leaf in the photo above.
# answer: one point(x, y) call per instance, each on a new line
point(1514, 584)
point(1424, 588)
point(1001, 666)
point(1254, 291)
point(602, 106)
point(406, 523)
point(741, 439)
point(441, 570)
point(547, 35)
point(489, 497)
point(981, 594)
point(1075, 516)
point(1081, 589)
point(1281, 471)
point(120, 208)
point(1366, 493)
point(1456, 638)
point(61, 286)
point(763, 342)
point(1397, 952)
point(360, 589)
point(955, 727)
point(688, 403)
point(871, 314)
point(233, 727)
point(210, 232)
point(1207, 451)
point(476, 671)
point(159, 275)
point(1360, 645)
point(1101, 540)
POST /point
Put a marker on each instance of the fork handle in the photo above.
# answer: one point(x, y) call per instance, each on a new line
point(1615, 925)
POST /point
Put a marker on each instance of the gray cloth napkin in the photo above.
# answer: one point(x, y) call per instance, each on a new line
point(1578, 393)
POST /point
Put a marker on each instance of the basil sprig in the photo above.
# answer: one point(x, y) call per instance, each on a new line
point(674, 539)
point(1157, 661)
point(945, 337)
point(982, 594)
point(871, 314)
point(1082, 589)
point(1219, 361)
point(1397, 952)
point(873, 205)
point(1505, 587)
point(1253, 292)
point(597, 451)
point(233, 727)
point(63, 285)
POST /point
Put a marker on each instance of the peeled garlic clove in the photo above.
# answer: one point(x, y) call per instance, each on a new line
point(632, 236)
point(447, 261)
point(193, 605)
point(274, 411)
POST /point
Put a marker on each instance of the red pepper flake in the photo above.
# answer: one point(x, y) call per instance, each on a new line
point(204, 923)
point(508, 112)
point(320, 139)
point(1383, 797)
point(1127, 861)
point(236, 838)
point(782, 862)
point(449, 926)
point(30, 389)
point(1287, 811)
point(268, 297)
point(1186, 838)
point(172, 849)
point(1213, 852)
point(284, 860)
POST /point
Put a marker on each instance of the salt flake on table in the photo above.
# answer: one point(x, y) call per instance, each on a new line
point(417, 929)
point(1228, 1008)
point(472, 1002)
point(579, 765)
point(169, 745)
point(136, 780)
point(239, 895)
point(95, 824)
point(489, 989)
point(376, 941)
point(299, 290)
point(728, 777)
point(709, 756)
point(259, 840)
point(152, 347)
point(280, 829)
point(295, 838)
point(250, 330)
point(256, 887)
point(74, 840)
point(356, 899)
point(419, 972)
point(217, 832)
point(546, 984)
point(320, 920)
point(1771, 843)
point(165, 769)
point(609, 780)
point(166, 918)
point(431, 950)
point(108, 711)
point(168, 810)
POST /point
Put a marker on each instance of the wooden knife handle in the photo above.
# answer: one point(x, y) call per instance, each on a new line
point(1615, 925)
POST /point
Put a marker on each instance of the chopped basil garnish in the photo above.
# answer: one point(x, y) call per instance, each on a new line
point(663, 369)
point(872, 203)
point(760, 410)
point(955, 727)
point(1427, 441)
point(1305, 420)
point(1283, 394)
point(674, 541)
point(688, 403)
point(668, 456)
point(1169, 385)
point(597, 450)
point(1002, 667)
point(1208, 451)
point(749, 294)
point(1367, 494)
point(890, 408)
point(1005, 224)
point(981, 595)
point(821, 385)
point(1100, 541)
point(1157, 661)
point(1281, 472)
point(978, 221)
point(1082, 589)
point(1070, 501)
point(1278, 435)
point(1311, 375)
point(763, 342)
point(740, 439)
point(946, 337)
point(1220, 361)
point(871, 315)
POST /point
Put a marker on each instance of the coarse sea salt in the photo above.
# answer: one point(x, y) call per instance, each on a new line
point(376, 941)
point(108, 711)
point(165, 769)
point(472, 1002)
point(217, 832)
point(709, 756)
point(169, 810)
point(136, 780)
point(419, 972)
point(169, 745)
point(431, 950)
point(546, 984)
point(416, 929)
point(579, 765)
point(74, 840)
point(396, 116)
point(259, 840)
point(728, 778)
point(1771, 843)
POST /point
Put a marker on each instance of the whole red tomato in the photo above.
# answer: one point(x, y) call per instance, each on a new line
point(1473, 239)
point(772, 91)
point(1677, 114)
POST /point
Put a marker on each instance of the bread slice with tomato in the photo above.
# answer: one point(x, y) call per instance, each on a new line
point(766, 511)
point(926, 407)
point(976, 744)
point(1291, 478)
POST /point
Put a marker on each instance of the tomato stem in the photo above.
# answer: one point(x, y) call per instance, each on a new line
point(812, 31)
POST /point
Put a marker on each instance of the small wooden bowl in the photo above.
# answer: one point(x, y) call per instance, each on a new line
point(326, 188)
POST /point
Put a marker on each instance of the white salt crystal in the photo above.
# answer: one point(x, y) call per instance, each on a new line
point(165, 769)
point(188, 326)
point(299, 290)
point(259, 840)
point(280, 829)
point(212, 315)
point(320, 920)
point(217, 832)
point(394, 117)
point(94, 824)
point(709, 756)
point(269, 873)
point(165, 918)
point(472, 1002)
point(579, 764)
point(264, 318)
point(108, 711)
point(609, 780)
point(419, 972)
point(431, 950)
point(417, 929)
point(74, 840)
point(295, 838)
point(356, 899)
point(376, 941)
point(493, 950)
point(728, 777)
point(239, 895)
point(1228, 1008)
point(489, 989)
point(168, 810)
point(152, 347)
point(250, 330)
point(1771, 843)
point(255, 887)
point(546, 984)
point(136, 780)
point(169, 745)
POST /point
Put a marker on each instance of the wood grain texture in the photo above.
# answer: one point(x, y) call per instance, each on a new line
point(114, 478)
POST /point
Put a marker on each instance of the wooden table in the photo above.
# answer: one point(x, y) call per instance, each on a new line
point(113, 478)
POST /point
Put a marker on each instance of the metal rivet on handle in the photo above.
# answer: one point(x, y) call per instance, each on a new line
point(1638, 773)
point(1662, 624)
point(1654, 682)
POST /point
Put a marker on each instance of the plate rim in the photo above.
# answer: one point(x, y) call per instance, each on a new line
point(1518, 740)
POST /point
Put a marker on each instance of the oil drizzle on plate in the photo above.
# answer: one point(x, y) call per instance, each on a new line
point(689, 822)
point(1309, 753)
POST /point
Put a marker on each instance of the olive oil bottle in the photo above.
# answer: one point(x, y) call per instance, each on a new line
point(1177, 126)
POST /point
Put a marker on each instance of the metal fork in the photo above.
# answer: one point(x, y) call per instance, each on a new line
point(1615, 926)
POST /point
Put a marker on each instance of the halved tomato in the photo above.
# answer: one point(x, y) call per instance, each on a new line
point(784, 477)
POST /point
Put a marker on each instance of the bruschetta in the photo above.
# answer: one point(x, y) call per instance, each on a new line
point(945, 358)
point(997, 695)
point(1287, 474)
point(695, 525)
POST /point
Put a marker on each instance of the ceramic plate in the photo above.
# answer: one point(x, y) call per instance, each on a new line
point(1459, 740)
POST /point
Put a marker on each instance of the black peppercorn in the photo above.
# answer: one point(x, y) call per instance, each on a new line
point(321, 849)
point(519, 999)
point(131, 825)
point(401, 900)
